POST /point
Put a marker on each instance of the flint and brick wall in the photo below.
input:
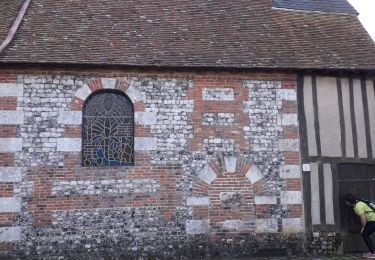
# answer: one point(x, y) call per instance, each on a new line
point(216, 160)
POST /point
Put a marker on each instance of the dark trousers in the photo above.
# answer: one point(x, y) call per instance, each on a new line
point(367, 231)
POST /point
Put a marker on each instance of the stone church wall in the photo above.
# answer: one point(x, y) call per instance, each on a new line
point(216, 168)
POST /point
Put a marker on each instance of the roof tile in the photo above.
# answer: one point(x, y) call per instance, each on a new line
point(185, 33)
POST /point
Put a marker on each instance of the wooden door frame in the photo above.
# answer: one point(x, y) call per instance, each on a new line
point(335, 188)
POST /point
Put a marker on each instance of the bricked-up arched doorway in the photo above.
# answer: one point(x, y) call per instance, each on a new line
point(358, 179)
point(230, 195)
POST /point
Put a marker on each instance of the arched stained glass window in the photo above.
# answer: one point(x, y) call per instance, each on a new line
point(108, 130)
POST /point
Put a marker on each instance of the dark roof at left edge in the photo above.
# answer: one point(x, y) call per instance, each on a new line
point(8, 13)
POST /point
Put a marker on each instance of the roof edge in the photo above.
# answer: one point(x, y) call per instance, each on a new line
point(317, 12)
point(15, 25)
point(66, 67)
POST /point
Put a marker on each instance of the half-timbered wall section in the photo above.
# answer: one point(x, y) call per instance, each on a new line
point(337, 125)
point(215, 164)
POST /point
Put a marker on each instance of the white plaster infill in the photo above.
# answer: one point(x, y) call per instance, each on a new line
point(266, 225)
point(11, 117)
point(290, 172)
point(268, 200)
point(230, 163)
point(195, 227)
point(10, 174)
point(69, 144)
point(197, 201)
point(289, 145)
point(145, 118)
point(69, 118)
point(108, 83)
point(10, 204)
point(83, 92)
point(207, 175)
point(254, 175)
point(286, 94)
point(287, 119)
point(291, 197)
point(145, 143)
point(10, 145)
point(292, 225)
point(10, 234)
point(11, 90)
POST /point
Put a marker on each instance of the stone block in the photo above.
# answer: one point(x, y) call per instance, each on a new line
point(11, 174)
point(290, 172)
point(230, 163)
point(10, 234)
point(69, 144)
point(145, 118)
point(292, 225)
point(69, 118)
point(289, 145)
point(259, 200)
point(11, 90)
point(286, 94)
point(11, 117)
point(145, 143)
point(83, 92)
point(232, 225)
point(9, 145)
point(195, 227)
point(197, 201)
point(134, 95)
point(291, 197)
point(266, 225)
point(254, 174)
point(10, 204)
point(207, 175)
point(287, 119)
point(108, 83)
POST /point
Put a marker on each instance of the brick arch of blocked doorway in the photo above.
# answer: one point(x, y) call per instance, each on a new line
point(213, 201)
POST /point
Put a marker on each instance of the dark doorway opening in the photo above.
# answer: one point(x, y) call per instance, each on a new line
point(358, 179)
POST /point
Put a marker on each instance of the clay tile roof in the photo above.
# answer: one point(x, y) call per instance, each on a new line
point(186, 33)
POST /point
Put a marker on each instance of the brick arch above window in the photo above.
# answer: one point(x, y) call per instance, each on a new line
point(106, 83)
point(107, 129)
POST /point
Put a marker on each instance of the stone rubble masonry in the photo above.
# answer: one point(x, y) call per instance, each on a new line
point(217, 119)
point(105, 186)
point(218, 94)
point(216, 159)
point(325, 243)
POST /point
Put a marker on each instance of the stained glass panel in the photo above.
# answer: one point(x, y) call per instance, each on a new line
point(108, 130)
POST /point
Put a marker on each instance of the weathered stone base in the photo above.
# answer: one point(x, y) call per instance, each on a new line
point(197, 247)
point(325, 243)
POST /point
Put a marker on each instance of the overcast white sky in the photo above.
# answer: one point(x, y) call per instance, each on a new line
point(366, 9)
